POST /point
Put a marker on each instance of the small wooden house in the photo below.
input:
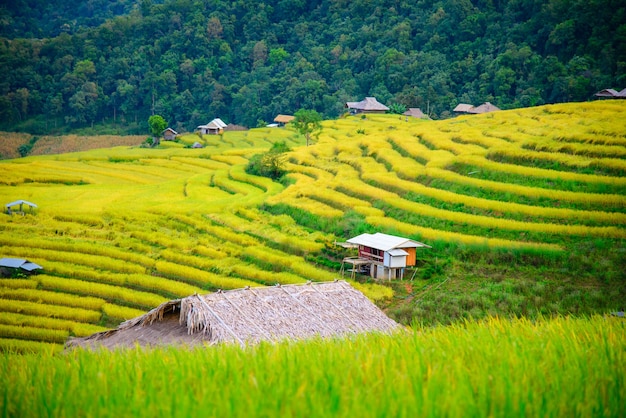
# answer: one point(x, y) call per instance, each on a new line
point(169, 134)
point(367, 105)
point(386, 256)
point(215, 127)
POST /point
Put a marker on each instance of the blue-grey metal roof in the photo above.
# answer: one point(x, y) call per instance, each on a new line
point(17, 263)
point(20, 202)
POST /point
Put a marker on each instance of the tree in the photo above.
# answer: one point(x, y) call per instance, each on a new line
point(270, 164)
point(307, 123)
point(157, 125)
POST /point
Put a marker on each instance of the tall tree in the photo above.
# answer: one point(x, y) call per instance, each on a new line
point(308, 123)
point(157, 125)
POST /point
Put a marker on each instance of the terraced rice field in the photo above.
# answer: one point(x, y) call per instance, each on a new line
point(121, 230)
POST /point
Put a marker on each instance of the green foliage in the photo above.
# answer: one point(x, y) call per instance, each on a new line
point(397, 108)
point(66, 63)
point(307, 123)
point(157, 125)
point(271, 164)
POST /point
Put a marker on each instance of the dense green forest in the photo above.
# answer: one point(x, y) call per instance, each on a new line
point(111, 64)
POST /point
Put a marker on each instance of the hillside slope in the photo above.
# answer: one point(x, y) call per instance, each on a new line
point(525, 211)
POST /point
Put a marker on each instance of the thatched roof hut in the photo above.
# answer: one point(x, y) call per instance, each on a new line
point(612, 94)
point(367, 105)
point(415, 112)
point(483, 108)
point(248, 316)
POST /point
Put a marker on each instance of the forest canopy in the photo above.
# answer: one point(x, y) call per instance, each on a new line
point(112, 64)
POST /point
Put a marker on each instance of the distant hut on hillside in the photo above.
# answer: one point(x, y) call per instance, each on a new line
point(367, 105)
point(169, 134)
point(383, 256)
point(11, 208)
point(282, 120)
point(215, 127)
point(9, 265)
point(612, 94)
point(250, 315)
point(416, 113)
point(474, 110)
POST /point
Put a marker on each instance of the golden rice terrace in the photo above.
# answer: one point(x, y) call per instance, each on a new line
point(119, 231)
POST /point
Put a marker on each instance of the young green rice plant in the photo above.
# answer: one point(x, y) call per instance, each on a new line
point(50, 311)
point(52, 298)
point(105, 291)
point(493, 368)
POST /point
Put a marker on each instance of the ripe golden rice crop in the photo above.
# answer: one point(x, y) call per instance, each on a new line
point(52, 298)
point(32, 333)
point(100, 290)
point(121, 313)
point(194, 275)
point(612, 200)
point(18, 283)
point(487, 164)
point(252, 272)
point(435, 234)
point(51, 311)
point(76, 328)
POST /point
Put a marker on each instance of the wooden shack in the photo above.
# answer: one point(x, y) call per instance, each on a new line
point(383, 256)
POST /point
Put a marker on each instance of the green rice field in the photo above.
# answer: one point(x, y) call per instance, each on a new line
point(549, 368)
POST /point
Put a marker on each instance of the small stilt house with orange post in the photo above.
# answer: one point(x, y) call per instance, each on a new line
point(386, 256)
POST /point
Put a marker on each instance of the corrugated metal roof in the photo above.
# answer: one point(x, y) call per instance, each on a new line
point(397, 252)
point(385, 242)
point(20, 202)
point(16, 263)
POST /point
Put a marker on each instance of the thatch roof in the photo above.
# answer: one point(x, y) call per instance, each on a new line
point(284, 118)
point(250, 315)
point(611, 93)
point(369, 104)
point(483, 108)
point(415, 112)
